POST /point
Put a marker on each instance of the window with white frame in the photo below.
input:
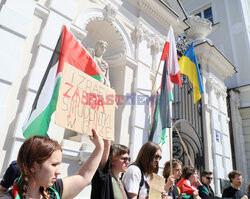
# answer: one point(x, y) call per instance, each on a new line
point(205, 13)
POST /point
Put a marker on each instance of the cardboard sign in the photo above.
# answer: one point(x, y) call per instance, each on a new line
point(85, 103)
point(156, 186)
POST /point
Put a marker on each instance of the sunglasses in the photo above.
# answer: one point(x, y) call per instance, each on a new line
point(209, 178)
point(126, 159)
point(157, 157)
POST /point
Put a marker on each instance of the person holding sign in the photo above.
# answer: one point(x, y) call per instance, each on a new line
point(39, 159)
point(170, 186)
point(137, 177)
point(106, 183)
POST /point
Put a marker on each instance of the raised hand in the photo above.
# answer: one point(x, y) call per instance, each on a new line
point(170, 183)
point(96, 139)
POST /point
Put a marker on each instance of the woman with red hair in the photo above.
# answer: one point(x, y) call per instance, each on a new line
point(39, 159)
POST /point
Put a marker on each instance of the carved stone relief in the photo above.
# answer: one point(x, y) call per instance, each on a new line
point(153, 40)
point(110, 13)
point(219, 88)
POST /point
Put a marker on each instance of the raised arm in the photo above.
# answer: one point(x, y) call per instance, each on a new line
point(105, 154)
point(73, 185)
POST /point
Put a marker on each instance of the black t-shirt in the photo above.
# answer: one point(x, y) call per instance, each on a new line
point(10, 175)
point(58, 186)
point(231, 192)
point(102, 187)
point(205, 192)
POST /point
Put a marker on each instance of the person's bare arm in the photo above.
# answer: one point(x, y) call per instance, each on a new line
point(2, 190)
point(73, 185)
point(105, 154)
point(198, 183)
point(170, 183)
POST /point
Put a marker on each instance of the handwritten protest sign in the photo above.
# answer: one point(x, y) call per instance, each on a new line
point(156, 186)
point(85, 103)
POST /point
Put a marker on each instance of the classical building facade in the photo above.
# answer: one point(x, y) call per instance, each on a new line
point(231, 35)
point(135, 31)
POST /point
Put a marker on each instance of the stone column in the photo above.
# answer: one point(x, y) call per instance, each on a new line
point(208, 130)
point(238, 136)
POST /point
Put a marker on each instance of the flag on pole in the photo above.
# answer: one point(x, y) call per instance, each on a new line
point(189, 66)
point(173, 64)
point(162, 117)
point(67, 49)
point(169, 50)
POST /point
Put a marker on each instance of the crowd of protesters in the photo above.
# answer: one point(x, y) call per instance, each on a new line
point(34, 174)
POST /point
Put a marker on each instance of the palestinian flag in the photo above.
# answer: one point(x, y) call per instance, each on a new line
point(69, 50)
point(162, 117)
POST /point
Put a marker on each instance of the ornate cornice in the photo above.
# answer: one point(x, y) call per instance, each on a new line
point(110, 13)
point(219, 88)
point(147, 6)
point(153, 40)
point(162, 14)
point(213, 61)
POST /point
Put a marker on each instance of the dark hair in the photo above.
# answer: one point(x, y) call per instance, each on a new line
point(166, 170)
point(234, 173)
point(34, 149)
point(205, 172)
point(188, 171)
point(248, 188)
point(145, 157)
point(116, 150)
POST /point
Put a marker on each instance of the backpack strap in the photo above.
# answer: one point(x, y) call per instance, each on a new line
point(142, 178)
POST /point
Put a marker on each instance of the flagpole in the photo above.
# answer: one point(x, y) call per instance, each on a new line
point(170, 141)
point(184, 146)
point(153, 85)
point(157, 88)
point(170, 151)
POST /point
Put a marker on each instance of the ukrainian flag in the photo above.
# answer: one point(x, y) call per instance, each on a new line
point(189, 66)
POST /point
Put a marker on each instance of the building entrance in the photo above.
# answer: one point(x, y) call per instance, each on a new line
point(192, 141)
point(187, 118)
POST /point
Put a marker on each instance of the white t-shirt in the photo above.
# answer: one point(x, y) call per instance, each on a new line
point(132, 179)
